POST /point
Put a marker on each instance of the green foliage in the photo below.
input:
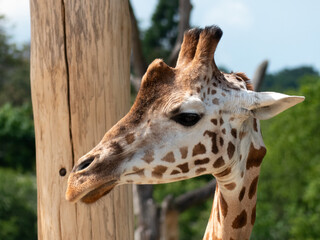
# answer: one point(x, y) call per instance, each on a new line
point(18, 206)
point(288, 197)
point(17, 147)
point(161, 36)
point(18, 197)
point(287, 79)
point(14, 71)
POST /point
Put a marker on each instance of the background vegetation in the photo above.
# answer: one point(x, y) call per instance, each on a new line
point(288, 196)
point(18, 197)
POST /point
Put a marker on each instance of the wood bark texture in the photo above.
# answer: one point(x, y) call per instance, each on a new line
point(80, 52)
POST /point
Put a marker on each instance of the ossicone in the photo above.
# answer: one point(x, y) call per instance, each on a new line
point(199, 45)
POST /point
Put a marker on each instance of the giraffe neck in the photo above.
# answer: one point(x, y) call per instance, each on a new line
point(234, 206)
point(231, 218)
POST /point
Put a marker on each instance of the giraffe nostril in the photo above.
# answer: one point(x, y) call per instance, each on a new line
point(85, 164)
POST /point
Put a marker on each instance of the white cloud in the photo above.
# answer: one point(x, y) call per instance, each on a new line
point(228, 13)
point(17, 13)
point(15, 9)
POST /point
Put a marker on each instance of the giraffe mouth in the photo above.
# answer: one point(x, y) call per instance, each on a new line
point(99, 192)
point(92, 194)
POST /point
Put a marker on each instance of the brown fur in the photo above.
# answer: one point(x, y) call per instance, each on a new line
point(221, 141)
point(174, 172)
point(253, 187)
point(201, 161)
point(219, 162)
point(223, 205)
point(230, 186)
point(198, 149)
point(253, 215)
point(214, 146)
point(255, 125)
point(169, 157)
point(241, 220)
point(200, 170)
point(255, 156)
point(234, 132)
point(148, 156)
point(130, 138)
point(158, 171)
point(184, 152)
point(214, 121)
point(184, 167)
point(231, 148)
point(247, 81)
point(241, 194)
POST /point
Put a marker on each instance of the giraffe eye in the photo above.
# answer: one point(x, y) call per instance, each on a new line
point(187, 119)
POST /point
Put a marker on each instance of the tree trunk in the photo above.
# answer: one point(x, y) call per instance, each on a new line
point(185, 8)
point(80, 53)
point(138, 61)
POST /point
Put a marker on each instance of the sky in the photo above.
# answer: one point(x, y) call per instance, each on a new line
point(285, 32)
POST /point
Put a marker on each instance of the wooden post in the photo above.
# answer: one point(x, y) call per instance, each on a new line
point(80, 53)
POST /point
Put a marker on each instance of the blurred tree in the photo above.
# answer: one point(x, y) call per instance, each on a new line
point(14, 71)
point(287, 78)
point(159, 39)
point(17, 143)
point(289, 186)
point(18, 206)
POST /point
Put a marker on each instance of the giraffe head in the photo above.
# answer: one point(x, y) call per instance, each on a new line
point(186, 121)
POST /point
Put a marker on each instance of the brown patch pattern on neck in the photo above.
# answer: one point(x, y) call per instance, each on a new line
point(253, 215)
point(223, 205)
point(242, 193)
point(255, 156)
point(230, 150)
point(230, 186)
point(253, 187)
point(201, 161)
point(240, 221)
point(234, 132)
point(255, 125)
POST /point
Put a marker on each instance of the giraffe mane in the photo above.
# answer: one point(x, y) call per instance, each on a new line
point(242, 76)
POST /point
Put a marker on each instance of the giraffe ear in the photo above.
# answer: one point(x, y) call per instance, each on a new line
point(266, 105)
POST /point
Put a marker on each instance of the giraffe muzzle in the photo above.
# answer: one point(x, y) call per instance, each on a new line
point(87, 181)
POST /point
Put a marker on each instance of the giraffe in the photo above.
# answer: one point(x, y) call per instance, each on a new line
point(188, 121)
